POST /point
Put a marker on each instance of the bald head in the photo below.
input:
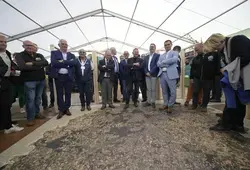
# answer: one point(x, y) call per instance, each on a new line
point(63, 44)
point(3, 43)
point(198, 48)
point(28, 46)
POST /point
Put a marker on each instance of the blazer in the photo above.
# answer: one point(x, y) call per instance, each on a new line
point(154, 70)
point(169, 61)
point(87, 76)
point(110, 68)
point(124, 71)
point(4, 82)
point(69, 64)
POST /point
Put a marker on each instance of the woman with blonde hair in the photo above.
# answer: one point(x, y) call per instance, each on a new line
point(234, 49)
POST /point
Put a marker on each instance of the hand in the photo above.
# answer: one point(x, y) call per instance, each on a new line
point(191, 81)
point(60, 61)
point(29, 63)
point(222, 70)
point(137, 64)
point(148, 74)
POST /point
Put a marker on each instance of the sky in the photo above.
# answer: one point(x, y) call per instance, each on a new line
point(190, 15)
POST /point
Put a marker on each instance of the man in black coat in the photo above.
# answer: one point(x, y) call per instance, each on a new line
point(134, 66)
point(106, 79)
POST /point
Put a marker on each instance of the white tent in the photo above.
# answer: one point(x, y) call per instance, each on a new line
point(124, 24)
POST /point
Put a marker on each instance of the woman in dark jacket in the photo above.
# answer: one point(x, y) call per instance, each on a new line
point(234, 47)
point(83, 72)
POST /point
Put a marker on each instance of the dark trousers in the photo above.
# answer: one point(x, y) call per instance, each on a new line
point(51, 89)
point(92, 88)
point(206, 86)
point(143, 88)
point(85, 93)
point(234, 117)
point(124, 90)
point(106, 86)
point(217, 91)
point(121, 85)
point(116, 78)
point(132, 89)
point(63, 86)
point(5, 105)
point(44, 96)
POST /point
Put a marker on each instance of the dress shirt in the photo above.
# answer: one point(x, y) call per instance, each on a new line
point(64, 70)
point(116, 64)
point(149, 61)
point(7, 61)
point(106, 73)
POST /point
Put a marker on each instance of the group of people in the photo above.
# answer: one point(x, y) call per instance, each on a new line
point(218, 56)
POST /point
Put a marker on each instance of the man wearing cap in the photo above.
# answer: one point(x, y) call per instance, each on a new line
point(83, 71)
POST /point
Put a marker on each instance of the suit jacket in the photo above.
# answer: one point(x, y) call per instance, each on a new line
point(169, 62)
point(153, 65)
point(87, 71)
point(110, 68)
point(135, 72)
point(124, 71)
point(5, 83)
point(56, 65)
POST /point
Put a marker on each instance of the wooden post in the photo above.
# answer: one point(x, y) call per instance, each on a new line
point(95, 75)
point(52, 47)
point(248, 111)
point(158, 90)
point(182, 78)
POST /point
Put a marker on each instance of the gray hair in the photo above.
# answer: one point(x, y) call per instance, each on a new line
point(61, 40)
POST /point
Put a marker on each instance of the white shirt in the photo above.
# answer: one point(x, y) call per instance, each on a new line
point(149, 61)
point(7, 61)
point(64, 70)
point(106, 73)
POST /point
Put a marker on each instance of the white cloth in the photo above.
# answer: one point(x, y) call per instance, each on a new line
point(92, 65)
point(7, 61)
point(149, 61)
point(106, 73)
point(64, 70)
point(82, 65)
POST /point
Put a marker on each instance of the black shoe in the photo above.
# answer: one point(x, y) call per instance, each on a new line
point(144, 100)
point(239, 129)
point(39, 116)
point(135, 104)
point(177, 103)
point(51, 105)
point(60, 115)
point(45, 108)
point(153, 105)
point(126, 106)
point(219, 128)
point(83, 108)
point(215, 100)
point(111, 106)
point(103, 107)
point(88, 108)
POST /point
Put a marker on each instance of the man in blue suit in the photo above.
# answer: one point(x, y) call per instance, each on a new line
point(124, 74)
point(62, 70)
point(168, 74)
point(151, 71)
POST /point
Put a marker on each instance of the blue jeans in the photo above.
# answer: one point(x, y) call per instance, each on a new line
point(33, 91)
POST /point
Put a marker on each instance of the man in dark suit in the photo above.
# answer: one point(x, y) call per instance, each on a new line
point(62, 70)
point(134, 66)
point(106, 79)
point(124, 74)
point(151, 70)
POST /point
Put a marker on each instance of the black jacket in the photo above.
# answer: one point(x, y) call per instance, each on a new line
point(87, 71)
point(205, 67)
point(240, 47)
point(135, 72)
point(110, 68)
point(34, 72)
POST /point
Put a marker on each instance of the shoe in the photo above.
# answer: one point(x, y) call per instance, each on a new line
point(144, 100)
point(186, 104)
point(68, 113)
point(126, 106)
point(169, 110)
point(177, 103)
point(215, 100)
point(45, 108)
point(163, 108)
point(83, 108)
point(22, 110)
point(153, 105)
point(117, 101)
point(193, 107)
point(60, 115)
point(30, 123)
point(88, 108)
point(103, 107)
point(135, 104)
point(219, 128)
point(146, 104)
point(51, 105)
point(111, 106)
point(14, 128)
point(239, 129)
point(39, 116)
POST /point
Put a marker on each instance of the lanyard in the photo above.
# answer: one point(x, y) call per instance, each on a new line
point(82, 65)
